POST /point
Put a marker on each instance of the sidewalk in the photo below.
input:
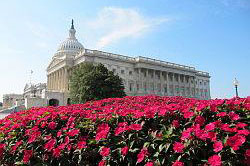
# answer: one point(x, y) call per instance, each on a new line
point(2, 115)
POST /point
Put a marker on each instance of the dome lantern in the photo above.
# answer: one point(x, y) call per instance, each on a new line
point(71, 44)
point(72, 31)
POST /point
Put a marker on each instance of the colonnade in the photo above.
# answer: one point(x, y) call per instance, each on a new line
point(163, 82)
point(58, 80)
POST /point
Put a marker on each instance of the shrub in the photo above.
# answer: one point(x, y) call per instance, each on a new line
point(148, 130)
point(90, 82)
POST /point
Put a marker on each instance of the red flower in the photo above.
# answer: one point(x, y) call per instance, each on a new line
point(57, 152)
point(59, 133)
point(221, 114)
point(102, 163)
point(188, 114)
point(212, 136)
point(73, 132)
point(234, 116)
point(199, 120)
point(52, 125)
point(214, 160)
point(149, 164)
point(34, 136)
point(135, 127)
point(201, 106)
point(218, 146)
point(210, 126)
point(102, 131)
point(119, 130)
point(81, 145)
point(124, 150)
point(178, 147)
point(178, 163)
point(175, 123)
point(186, 134)
point(27, 155)
point(241, 125)
point(236, 141)
point(105, 151)
point(50, 145)
point(243, 132)
point(142, 154)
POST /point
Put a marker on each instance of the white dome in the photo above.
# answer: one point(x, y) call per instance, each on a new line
point(71, 44)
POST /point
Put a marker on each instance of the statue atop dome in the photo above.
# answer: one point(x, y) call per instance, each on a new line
point(72, 31)
point(72, 24)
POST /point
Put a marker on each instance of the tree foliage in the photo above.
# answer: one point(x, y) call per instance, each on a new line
point(94, 82)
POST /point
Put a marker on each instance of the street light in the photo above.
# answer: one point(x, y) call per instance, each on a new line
point(236, 84)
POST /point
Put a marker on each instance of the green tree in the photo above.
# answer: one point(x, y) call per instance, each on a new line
point(94, 82)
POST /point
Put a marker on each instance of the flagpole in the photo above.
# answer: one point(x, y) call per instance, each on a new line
point(31, 72)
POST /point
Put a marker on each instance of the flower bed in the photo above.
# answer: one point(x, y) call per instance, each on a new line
point(146, 130)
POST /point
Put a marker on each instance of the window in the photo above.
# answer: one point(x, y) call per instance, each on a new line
point(192, 91)
point(130, 72)
point(182, 79)
point(122, 71)
point(158, 76)
point(165, 88)
point(171, 78)
point(137, 87)
point(164, 77)
point(159, 87)
point(171, 89)
point(176, 78)
point(145, 86)
point(152, 86)
point(114, 70)
point(130, 86)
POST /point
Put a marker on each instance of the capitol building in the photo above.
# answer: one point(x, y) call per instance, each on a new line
point(140, 75)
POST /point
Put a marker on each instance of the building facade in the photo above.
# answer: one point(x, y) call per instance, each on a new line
point(34, 90)
point(10, 100)
point(141, 75)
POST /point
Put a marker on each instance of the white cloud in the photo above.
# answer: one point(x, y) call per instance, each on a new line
point(116, 23)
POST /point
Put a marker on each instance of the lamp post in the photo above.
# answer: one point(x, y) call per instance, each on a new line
point(236, 84)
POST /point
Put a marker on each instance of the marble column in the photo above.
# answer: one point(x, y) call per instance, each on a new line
point(66, 83)
point(52, 81)
point(163, 82)
point(56, 80)
point(167, 84)
point(140, 80)
point(63, 79)
point(49, 81)
point(60, 79)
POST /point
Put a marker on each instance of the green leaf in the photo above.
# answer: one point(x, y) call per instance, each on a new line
point(161, 147)
point(146, 144)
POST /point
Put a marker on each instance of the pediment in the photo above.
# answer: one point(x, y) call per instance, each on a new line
point(26, 86)
point(54, 62)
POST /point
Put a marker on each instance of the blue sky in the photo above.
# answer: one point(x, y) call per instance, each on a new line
point(211, 35)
